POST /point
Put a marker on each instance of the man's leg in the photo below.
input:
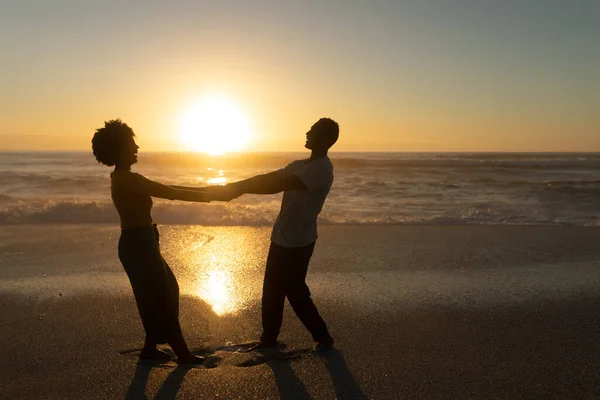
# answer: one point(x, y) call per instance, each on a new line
point(298, 295)
point(273, 296)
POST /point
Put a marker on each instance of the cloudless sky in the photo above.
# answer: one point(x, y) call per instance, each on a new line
point(398, 75)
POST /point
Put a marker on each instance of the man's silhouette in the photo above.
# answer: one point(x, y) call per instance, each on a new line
point(305, 184)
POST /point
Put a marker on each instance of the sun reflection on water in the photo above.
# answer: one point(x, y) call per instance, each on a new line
point(218, 181)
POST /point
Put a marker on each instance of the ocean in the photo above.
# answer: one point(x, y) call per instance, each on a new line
point(369, 188)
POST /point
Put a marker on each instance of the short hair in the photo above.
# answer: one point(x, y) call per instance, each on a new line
point(108, 141)
point(330, 129)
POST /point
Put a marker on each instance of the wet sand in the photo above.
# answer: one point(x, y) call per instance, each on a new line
point(417, 312)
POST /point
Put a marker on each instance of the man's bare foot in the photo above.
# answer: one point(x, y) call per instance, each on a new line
point(267, 349)
point(264, 346)
point(191, 360)
point(324, 347)
point(154, 354)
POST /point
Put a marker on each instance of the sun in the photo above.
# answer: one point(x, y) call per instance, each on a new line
point(215, 125)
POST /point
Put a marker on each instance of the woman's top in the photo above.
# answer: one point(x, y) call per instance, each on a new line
point(132, 196)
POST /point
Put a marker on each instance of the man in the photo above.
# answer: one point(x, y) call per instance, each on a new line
point(305, 184)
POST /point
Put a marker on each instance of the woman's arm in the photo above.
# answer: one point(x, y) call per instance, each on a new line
point(140, 184)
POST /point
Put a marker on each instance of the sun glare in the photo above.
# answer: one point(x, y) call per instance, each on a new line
point(215, 125)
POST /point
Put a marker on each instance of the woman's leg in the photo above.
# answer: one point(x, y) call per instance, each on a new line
point(176, 339)
point(179, 346)
point(150, 352)
point(156, 293)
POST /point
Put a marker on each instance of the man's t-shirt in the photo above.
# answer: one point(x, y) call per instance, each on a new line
point(296, 225)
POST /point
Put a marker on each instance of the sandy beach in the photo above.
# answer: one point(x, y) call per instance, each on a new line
point(418, 312)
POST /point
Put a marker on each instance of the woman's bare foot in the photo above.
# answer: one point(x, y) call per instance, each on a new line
point(184, 356)
point(154, 354)
point(191, 360)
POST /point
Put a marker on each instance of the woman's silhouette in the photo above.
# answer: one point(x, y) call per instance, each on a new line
point(154, 286)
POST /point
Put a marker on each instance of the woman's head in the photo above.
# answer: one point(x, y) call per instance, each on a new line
point(114, 144)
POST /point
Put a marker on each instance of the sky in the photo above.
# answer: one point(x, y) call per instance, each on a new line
point(397, 75)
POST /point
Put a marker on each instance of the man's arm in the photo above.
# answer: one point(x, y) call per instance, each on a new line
point(189, 188)
point(271, 183)
point(214, 193)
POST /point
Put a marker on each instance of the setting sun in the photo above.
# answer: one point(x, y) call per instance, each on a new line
point(215, 125)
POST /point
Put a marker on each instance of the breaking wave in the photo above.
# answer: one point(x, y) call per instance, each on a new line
point(264, 213)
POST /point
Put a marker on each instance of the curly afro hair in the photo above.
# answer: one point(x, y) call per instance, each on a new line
point(108, 141)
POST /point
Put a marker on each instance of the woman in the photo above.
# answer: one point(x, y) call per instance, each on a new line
point(154, 286)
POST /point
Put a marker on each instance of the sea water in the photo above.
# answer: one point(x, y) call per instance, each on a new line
point(369, 188)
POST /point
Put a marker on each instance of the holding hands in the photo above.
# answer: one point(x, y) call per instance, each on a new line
point(224, 193)
point(270, 183)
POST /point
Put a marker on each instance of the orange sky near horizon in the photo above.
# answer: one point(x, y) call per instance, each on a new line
point(397, 76)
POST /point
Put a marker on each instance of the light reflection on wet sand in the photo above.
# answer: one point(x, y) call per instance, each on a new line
point(218, 291)
point(223, 267)
point(223, 270)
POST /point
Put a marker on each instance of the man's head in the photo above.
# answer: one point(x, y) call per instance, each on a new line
point(322, 135)
point(114, 144)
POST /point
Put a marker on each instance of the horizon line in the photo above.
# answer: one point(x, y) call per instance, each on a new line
point(331, 152)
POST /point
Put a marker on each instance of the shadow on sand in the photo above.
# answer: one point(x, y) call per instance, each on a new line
point(290, 387)
point(344, 383)
point(288, 384)
point(169, 389)
point(171, 385)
